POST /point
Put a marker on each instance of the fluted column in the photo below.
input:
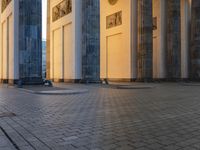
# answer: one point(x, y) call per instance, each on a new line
point(145, 42)
point(195, 41)
point(1, 72)
point(30, 47)
point(185, 37)
point(91, 40)
point(159, 39)
point(173, 39)
point(134, 37)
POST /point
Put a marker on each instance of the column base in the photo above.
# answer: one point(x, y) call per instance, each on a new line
point(194, 79)
point(9, 81)
point(90, 81)
point(144, 80)
point(72, 80)
point(12, 81)
point(4, 81)
point(66, 80)
point(32, 81)
point(57, 80)
point(171, 79)
point(119, 79)
point(1, 81)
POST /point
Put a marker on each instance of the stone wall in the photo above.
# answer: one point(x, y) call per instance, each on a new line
point(5, 3)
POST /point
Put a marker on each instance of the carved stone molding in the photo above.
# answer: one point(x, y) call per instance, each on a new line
point(62, 9)
point(112, 2)
point(4, 4)
point(114, 20)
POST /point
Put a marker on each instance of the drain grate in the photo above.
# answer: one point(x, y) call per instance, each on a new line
point(7, 114)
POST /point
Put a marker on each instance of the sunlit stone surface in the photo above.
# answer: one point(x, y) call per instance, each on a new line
point(73, 53)
point(117, 40)
point(20, 42)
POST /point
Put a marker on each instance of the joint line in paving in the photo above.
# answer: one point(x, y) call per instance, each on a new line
point(29, 133)
point(9, 138)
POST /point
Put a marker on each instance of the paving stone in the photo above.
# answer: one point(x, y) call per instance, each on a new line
point(165, 117)
point(4, 142)
point(7, 148)
point(172, 147)
point(26, 148)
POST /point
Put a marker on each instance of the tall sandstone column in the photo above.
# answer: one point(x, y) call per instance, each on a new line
point(90, 40)
point(145, 42)
point(195, 41)
point(173, 39)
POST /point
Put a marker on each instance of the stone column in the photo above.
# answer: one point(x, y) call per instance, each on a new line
point(30, 38)
point(91, 40)
point(159, 39)
point(15, 48)
point(195, 41)
point(185, 37)
point(145, 42)
point(134, 37)
point(1, 70)
point(173, 39)
point(163, 39)
point(48, 42)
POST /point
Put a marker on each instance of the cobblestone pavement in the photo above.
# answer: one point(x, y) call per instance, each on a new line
point(165, 117)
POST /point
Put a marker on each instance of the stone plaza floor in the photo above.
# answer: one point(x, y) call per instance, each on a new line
point(163, 117)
